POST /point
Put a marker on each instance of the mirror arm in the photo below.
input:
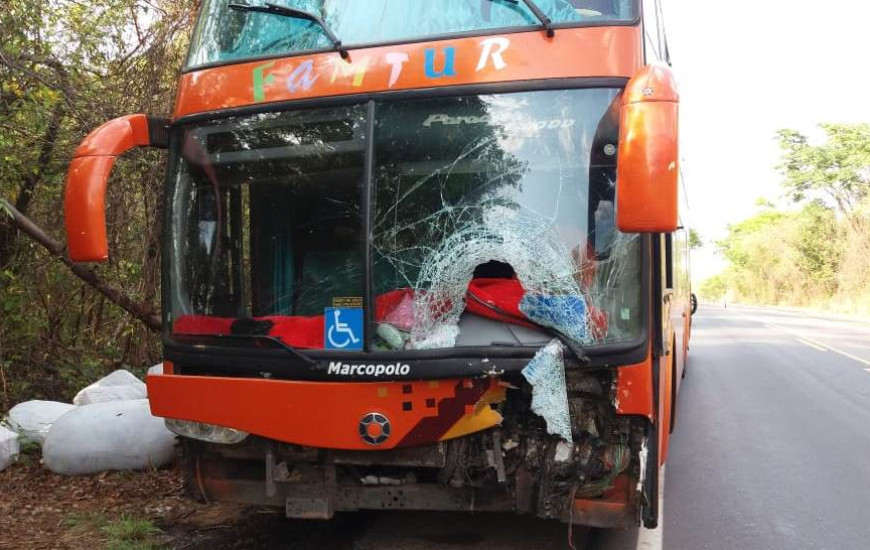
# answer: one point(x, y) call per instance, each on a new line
point(85, 196)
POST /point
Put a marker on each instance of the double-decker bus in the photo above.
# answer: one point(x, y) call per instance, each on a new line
point(418, 255)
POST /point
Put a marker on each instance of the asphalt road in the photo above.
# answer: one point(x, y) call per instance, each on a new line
point(772, 443)
point(771, 451)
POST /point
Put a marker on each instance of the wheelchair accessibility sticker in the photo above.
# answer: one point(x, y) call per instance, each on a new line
point(343, 328)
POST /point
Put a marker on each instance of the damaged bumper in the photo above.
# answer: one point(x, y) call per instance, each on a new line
point(332, 415)
point(462, 444)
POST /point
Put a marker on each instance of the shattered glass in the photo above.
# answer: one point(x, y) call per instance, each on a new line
point(546, 374)
point(543, 267)
point(514, 185)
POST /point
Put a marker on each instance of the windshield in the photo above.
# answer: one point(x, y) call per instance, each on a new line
point(491, 218)
point(223, 34)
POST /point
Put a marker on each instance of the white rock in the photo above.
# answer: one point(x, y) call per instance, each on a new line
point(32, 419)
point(120, 385)
point(9, 447)
point(117, 435)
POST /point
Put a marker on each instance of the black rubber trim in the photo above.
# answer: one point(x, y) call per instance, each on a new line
point(416, 40)
point(158, 132)
point(368, 223)
point(650, 508)
point(404, 95)
point(425, 364)
point(673, 367)
point(651, 491)
point(172, 163)
point(657, 296)
point(277, 368)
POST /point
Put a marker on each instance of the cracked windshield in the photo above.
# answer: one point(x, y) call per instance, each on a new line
point(492, 223)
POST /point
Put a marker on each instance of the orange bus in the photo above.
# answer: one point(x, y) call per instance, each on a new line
point(418, 255)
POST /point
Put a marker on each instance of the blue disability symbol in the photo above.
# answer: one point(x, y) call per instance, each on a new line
point(344, 328)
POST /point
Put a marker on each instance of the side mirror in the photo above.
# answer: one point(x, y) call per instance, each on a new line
point(85, 198)
point(647, 168)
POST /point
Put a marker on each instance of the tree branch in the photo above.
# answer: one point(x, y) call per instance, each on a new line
point(31, 179)
point(141, 312)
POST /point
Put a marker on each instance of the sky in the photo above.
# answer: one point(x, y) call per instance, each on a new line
point(746, 69)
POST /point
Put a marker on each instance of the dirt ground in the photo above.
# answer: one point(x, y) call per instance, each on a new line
point(40, 510)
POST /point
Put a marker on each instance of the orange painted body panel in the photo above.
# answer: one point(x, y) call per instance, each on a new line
point(651, 84)
point(634, 394)
point(327, 414)
point(597, 52)
point(613, 508)
point(85, 198)
point(648, 164)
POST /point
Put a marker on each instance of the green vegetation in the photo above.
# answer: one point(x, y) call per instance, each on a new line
point(818, 253)
point(695, 240)
point(128, 533)
point(123, 533)
point(65, 68)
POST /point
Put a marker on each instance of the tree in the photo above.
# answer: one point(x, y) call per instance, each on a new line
point(65, 68)
point(818, 252)
point(713, 288)
point(820, 246)
point(838, 169)
point(695, 240)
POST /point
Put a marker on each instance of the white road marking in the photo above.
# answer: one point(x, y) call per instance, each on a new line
point(841, 352)
point(812, 345)
point(816, 342)
point(651, 539)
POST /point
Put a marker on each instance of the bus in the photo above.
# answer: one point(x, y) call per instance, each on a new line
point(417, 255)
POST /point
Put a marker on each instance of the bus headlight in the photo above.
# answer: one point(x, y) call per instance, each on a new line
point(205, 432)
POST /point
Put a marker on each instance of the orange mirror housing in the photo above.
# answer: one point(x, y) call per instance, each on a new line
point(85, 198)
point(647, 168)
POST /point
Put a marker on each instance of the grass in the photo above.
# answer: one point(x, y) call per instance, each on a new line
point(124, 533)
point(127, 533)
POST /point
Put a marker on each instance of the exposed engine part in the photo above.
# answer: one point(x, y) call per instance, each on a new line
point(498, 452)
point(586, 468)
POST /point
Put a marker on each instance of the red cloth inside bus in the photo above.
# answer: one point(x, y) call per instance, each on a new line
point(497, 299)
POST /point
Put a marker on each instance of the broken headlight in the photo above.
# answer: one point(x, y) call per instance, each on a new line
point(205, 432)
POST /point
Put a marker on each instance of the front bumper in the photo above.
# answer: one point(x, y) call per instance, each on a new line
point(332, 414)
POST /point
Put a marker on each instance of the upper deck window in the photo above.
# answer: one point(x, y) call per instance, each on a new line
point(224, 35)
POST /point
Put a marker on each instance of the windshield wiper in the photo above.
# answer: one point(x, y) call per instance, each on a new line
point(284, 11)
point(542, 17)
point(276, 342)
